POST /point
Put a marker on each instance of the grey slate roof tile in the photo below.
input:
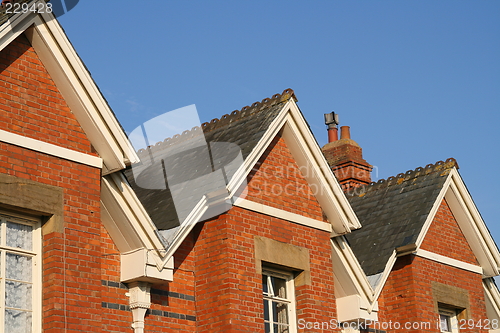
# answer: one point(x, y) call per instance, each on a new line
point(244, 128)
point(392, 213)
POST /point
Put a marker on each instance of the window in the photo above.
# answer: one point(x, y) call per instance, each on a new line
point(279, 301)
point(448, 320)
point(19, 273)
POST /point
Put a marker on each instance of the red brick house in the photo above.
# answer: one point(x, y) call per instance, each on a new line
point(424, 248)
point(88, 243)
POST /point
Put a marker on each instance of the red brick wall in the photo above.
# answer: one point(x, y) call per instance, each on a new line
point(31, 105)
point(112, 291)
point(408, 295)
point(228, 287)
point(277, 181)
point(173, 306)
point(71, 260)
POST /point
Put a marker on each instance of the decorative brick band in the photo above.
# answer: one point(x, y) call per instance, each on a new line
point(172, 294)
point(153, 291)
point(171, 315)
point(115, 306)
point(114, 284)
point(160, 313)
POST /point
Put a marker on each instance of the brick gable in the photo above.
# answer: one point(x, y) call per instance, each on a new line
point(278, 182)
point(445, 237)
point(31, 104)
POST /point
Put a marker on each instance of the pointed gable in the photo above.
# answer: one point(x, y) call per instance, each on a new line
point(244, 128)
point(445, 237)
point(393, 212)
point(31, 104)
point(278, 182)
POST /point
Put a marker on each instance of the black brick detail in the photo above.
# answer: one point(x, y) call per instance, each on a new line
point(113, 284)
point(149, 312)
point(115, 306)
point(172, 294)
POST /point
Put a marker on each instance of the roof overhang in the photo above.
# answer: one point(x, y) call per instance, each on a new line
point(133, 232)
point(124, 217)
point(354, 294)
point(75, 84)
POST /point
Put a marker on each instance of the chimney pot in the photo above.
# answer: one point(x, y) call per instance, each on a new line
point(332, 120)
point(333, 134)
point(345, 132)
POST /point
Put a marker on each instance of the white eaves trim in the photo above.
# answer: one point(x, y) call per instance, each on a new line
point(90, 87)
point(492, 298)
point(249, 163)
point(355, 296)
point(186, 227)
point(334, 204)
point(331, 197)
point(475, 231)
point(433, 212)
point(308, 156)
point(385, 275)
point(142, 253)
point(306, 153)
point(50, 149)
point(449, 261)
point(124, 199)
point(356, 275)
point(283, 214)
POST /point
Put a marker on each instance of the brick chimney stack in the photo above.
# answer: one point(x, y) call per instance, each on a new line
point(345, 158)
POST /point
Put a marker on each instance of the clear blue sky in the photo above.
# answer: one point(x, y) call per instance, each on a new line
point(417, 81)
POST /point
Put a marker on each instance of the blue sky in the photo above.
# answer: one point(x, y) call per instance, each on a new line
point(417, 81)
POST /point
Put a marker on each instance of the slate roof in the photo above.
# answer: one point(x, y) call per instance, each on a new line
point(242, 129)
point(392, 213)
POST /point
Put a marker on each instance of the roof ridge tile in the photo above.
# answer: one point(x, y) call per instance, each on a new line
point(410, 174)
point(222, 121)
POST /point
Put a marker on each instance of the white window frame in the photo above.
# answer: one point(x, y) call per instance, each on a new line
point(451, 314)
point(290, 299)
point(36, 255)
